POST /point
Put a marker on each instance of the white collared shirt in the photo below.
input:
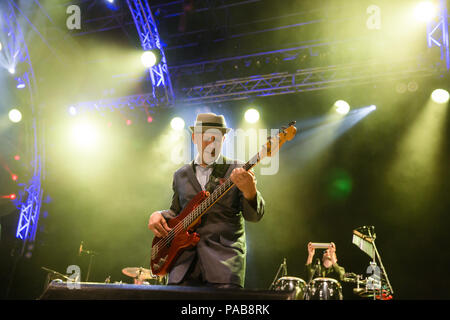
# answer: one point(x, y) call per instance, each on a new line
point(203, 173)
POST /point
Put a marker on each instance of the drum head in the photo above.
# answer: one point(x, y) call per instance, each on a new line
point(292, 284)
point(324, 289)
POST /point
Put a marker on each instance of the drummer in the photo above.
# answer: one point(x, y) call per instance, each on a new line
point(328, 268)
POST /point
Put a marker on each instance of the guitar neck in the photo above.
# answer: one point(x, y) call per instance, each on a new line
point(219, 192)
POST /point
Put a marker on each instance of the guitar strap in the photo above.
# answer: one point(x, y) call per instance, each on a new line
point(219, 171)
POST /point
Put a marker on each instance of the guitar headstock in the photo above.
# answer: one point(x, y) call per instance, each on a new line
point(285, 134)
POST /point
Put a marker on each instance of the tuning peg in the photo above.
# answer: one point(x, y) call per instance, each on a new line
point(292, 123)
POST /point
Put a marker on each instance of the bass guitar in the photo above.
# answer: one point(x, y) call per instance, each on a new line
point(182, 236)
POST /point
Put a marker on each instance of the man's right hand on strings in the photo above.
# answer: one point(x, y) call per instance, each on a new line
point(158, 224)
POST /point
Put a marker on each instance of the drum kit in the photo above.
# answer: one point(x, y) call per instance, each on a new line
point(317, 289)
point(140, 276)
point(375, 286)
point(144, 276)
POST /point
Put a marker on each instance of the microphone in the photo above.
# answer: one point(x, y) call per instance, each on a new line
point(81, 249)
point(284, 267)
point(316, 269)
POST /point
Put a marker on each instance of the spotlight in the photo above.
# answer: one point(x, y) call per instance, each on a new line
point(12, 196)
point(14, 177)
point(84, 135)
point(12, 70)
point(177, 124)
point(425, 11)
point(72, 111)
point(151, 58)
point(20, 83)
point(440, 96)
point(15, 115)
point(0, 46)
point(251, 115)
point(129, 122)
point(149, 119)
point(342, 107)
point(17, 157)
point(412, 86)
point(401, 87)
point(373, 107)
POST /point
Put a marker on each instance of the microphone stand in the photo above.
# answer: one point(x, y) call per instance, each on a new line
point(315, 271)
point(91, 256)
point(282, 266)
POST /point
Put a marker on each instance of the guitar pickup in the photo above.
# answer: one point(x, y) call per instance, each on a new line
point(160, 263)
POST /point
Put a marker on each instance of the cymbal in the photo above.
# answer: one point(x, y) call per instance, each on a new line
point(140, 273)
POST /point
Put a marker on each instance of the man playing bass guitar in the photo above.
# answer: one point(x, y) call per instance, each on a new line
point(219, 258)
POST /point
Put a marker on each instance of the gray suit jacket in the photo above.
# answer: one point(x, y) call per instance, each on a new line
point(222, 247)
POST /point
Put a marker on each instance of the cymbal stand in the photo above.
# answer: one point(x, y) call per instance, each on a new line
point(377, 255)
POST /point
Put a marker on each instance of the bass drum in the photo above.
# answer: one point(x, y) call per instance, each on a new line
point(324, 289)
point(292, 284)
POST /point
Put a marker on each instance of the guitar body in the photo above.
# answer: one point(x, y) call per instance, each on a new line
point(166, 250)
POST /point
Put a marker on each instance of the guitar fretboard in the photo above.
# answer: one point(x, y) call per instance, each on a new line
point(215, 195)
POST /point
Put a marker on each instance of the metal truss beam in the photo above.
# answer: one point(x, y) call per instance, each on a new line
point(278, 84)
point(148, 34)
point(30, 198)
point(437, 33)
point(301, 81)
point(138, 101)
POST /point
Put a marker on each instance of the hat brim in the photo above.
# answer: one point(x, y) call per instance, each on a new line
point(205, 128)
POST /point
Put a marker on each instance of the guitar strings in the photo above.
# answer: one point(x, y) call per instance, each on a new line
point(183, 224)
point(180, 226)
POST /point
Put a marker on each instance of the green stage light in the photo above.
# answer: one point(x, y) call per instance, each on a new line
point(340, 184)
point(440, 96)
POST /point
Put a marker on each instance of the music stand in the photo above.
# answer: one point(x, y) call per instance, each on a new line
point(367, 244)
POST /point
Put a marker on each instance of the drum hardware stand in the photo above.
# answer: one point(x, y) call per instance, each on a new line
point(91, 255)
point(53, 275)
point(372, 234)
point(367, 245)
point(283, 266)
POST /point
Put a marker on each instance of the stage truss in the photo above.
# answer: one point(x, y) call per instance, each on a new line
point(30, 197)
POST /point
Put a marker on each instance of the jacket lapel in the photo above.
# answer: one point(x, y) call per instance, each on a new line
point(193, 178)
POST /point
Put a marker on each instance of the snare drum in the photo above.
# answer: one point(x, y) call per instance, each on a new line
point(324, 289)
point(292, 284)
